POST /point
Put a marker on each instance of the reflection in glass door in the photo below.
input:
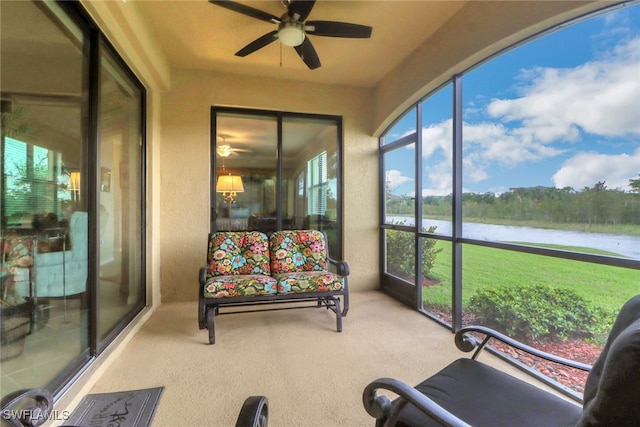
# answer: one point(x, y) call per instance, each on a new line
point(120, 287)
point(71, 199)
point(45, 215)
point(310, 177)
point(246, 170)
point(277, 171)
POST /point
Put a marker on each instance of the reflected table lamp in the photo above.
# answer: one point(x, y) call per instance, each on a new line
point(229, 186)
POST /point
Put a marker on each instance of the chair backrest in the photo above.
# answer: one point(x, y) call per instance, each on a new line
point(612, 390)
point(238, 252)
point(297, 251)
point(79, 234)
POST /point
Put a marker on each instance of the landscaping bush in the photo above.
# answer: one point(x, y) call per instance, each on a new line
point(401, 256)
point(536, 311)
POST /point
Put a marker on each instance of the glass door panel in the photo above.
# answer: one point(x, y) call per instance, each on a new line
point(276, 171)
point(120, 287)
point(246, 172)
point(44, 232)
point(309, 185)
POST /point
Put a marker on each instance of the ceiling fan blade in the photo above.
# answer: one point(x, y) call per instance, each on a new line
point(337, 29)
point(301, 8)
point(308, 54)
point(258, 43)
point(246, 10)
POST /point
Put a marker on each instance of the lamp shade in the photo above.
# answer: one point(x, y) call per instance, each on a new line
point(74, 181)
point(229, 183)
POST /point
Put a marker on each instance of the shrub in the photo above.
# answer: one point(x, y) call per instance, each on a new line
point(535, 311)
point(400, 253)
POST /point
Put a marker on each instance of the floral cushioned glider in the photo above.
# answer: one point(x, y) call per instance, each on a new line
point(238, 264)
point(299, 262)
point(248, 268)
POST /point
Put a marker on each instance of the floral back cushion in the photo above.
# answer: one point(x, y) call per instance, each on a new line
point(238, 252)
point(297, 250)
point(17, 251)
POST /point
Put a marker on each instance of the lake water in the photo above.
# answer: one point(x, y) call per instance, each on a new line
point(628, 246)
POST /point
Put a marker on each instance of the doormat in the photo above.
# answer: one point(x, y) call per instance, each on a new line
point(133, 408)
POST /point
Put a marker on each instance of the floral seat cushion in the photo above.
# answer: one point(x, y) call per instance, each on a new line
point(234, 286)
point(309, 281)
point(238, 253)
point(297, 251)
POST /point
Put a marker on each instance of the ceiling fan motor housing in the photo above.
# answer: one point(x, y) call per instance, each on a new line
point(290, 33)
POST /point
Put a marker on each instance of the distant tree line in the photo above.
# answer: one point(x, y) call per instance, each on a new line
point(591, 205)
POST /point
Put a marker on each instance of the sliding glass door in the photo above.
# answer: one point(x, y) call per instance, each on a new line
point(276, 171)
point(45, 215)
point(310, 160)
point(72, 157)
point(120, 286)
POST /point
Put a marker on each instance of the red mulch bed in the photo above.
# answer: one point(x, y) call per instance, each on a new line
point(577, 350)
point(573, 349)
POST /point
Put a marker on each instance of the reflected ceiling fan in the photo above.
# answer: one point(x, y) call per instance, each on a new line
point(293, 28)
point(225, 150)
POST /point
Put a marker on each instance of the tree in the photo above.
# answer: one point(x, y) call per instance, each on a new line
point(635, 185)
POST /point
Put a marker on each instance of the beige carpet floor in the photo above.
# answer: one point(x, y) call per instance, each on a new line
point(312, 375)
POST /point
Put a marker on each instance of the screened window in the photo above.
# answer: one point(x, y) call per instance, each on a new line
point(527, 177)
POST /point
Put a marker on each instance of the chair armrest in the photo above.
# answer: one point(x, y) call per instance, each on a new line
point(26, 407)
point(341, 266)
point(466, 341)
point(254, 412)
point(380, 407)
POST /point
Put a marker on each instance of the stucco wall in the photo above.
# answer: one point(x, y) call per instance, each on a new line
point(185, 168)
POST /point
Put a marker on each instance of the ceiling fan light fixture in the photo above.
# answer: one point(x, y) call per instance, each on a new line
point(291, 34)
point(223, 150)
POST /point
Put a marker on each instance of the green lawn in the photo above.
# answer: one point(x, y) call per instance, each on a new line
point(605, 286)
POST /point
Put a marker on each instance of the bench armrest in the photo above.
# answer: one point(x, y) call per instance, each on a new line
point(380, 407)
point(467, 341)
point(202, 276)
point(341, 266)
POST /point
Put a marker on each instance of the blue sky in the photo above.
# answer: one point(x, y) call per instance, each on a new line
point(562, 110)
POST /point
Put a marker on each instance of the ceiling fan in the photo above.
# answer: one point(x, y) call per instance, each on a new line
point(225, 150)
point(293, 28)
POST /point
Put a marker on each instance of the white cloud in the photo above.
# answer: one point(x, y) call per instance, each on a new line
point(436, 137)
point(474, 168)
point(439, 180)
point(557, 106)
point(437, 153)
point(495, 142)
point(587, 168)
point(598, 97)
point(395, 178)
